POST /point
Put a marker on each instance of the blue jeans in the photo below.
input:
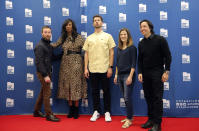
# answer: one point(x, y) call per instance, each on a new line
point(127, 93)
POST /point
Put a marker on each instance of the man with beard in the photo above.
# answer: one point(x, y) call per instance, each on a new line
point(43, 60)
point(99, 55)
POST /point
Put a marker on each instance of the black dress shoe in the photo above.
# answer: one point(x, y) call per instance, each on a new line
point(156, 127)
point(52, 118)
point(76, 113)
point(38, 114)
point(71, 112)
point(148, 124)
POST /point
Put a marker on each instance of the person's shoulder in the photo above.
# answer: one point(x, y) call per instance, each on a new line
point(39, 44)
point(105, 33)
point(141, 41)
point(79, 36)
point(90, 36)
point(132, 47)
point(158, 37)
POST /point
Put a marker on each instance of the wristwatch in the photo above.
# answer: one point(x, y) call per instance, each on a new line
point(167, 72)
point(111, 67)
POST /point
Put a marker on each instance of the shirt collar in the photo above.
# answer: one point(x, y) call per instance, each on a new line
point(150, 37)
point(45, 41)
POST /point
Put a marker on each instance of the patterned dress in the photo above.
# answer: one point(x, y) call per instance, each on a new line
point(72, 83)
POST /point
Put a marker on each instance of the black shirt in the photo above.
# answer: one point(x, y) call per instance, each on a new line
point(153, 54)
point(126, 59)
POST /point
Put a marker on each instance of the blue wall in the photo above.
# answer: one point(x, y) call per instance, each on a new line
point(18, 93)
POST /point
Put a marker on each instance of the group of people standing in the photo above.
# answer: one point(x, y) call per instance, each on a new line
point(154, 59)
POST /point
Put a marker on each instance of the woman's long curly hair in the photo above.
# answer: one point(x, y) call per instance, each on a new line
point(64, 33)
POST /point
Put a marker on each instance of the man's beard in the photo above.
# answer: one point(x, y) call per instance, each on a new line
point(98, 27)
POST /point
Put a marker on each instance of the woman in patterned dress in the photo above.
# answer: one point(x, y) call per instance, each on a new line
point(72, 84)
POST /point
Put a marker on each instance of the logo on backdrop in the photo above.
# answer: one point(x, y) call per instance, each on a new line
point(194, 104)
point(141, 94)
point(10, 53)
point(184, 6)
point(163, 15)
point(84, 103)
point(8, 4)
point(122, 2)
point(10, 86)
point(83, 19)
point(184, 23)
point(122, 17)
point(142, 8)
point(163, 1)
point(28, 29)
point(104, 27)
point(28, 12)
point(84, 34)
point(29, 45)
point(166, 86)
point(185, 41)
point(163, 32)
point(29, 93)
point(30, 61)
point(10, 69)
point(9, 102)
point(185, 59)
point(10, 37)
point(29, 77)
point(47, 20)
point(65, 12)
point(9, 21)
point(166, 104)
point(186, 76)
point(51, 85)
point(83, 3)
point(122, 102)
point(51, 101)
point(46, 3)
point(102, 9)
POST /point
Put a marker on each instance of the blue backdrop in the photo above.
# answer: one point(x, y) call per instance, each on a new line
point(20, 27)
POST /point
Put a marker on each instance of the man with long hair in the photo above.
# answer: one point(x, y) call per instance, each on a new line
point(154, 59)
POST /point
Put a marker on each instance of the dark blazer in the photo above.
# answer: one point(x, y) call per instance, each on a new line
point(44, 56)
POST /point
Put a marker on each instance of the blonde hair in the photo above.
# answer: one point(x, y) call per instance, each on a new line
point(129, 39)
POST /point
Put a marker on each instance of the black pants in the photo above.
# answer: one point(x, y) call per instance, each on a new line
point(153, 92)
point(96, 80)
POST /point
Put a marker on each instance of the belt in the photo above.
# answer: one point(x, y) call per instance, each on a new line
point(73, 52)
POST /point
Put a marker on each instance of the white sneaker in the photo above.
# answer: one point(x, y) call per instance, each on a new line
point(95, 116)
point(108, 117)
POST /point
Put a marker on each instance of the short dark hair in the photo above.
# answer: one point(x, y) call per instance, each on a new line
point(149, 24)
point(45, 26)
point(98, 16)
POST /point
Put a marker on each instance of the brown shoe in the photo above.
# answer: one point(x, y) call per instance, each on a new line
point(52, 118)
point(38, 114)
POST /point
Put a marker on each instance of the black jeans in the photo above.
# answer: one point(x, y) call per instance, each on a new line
point(153, 92)
point(96, 80)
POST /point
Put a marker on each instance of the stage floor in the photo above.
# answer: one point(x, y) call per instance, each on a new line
point(29, 123)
